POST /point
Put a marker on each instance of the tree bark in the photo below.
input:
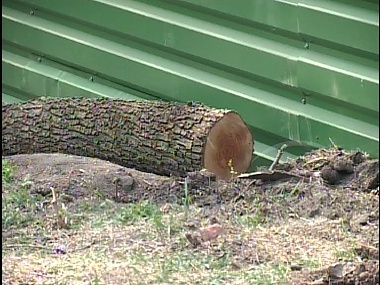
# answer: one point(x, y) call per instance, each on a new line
point(164, 138)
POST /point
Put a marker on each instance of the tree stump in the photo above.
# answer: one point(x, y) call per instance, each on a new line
point(165, 138)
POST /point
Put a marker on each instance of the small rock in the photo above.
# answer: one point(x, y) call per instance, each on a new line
point(336, 271)
point(343, 165)
point(330, 175)
point(374, 182)
point(125, 182)
point(358, 157)
point(364, 276)
point(59, 249)
point(295, 267)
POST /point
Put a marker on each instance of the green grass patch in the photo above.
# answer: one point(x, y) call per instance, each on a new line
point(141, 211)
point(19, 207)
point(7, 171)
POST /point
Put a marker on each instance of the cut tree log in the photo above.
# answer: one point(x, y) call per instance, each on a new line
point(164, 138)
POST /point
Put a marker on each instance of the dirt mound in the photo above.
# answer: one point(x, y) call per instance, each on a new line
point(353, 170)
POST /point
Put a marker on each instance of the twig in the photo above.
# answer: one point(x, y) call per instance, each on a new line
point(45, 247)
point(268, 175)
point(26, 245)
point(116, 182)
point(85, 246)
point(277, 159)
point(367, 246)
point(62, 223)
point(334, 145)
point(314, 160)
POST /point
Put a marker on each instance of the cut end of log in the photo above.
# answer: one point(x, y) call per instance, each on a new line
point(229, 140)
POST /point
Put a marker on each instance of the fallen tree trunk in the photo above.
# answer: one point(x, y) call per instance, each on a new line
point(165, 138)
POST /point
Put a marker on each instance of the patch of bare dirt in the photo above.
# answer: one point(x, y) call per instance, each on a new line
point(342, 273)
point(333, 195)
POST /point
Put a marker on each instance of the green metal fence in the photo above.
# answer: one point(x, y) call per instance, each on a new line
point(301, 72)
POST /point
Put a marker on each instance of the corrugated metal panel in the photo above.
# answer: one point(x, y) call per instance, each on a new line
point(304, 72)
point(26, 79)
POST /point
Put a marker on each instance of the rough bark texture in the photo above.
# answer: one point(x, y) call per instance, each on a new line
point(160, 137)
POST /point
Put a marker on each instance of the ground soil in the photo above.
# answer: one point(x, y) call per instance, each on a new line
point(330, 191)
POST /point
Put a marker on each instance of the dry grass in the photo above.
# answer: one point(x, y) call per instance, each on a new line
point(144, 243)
